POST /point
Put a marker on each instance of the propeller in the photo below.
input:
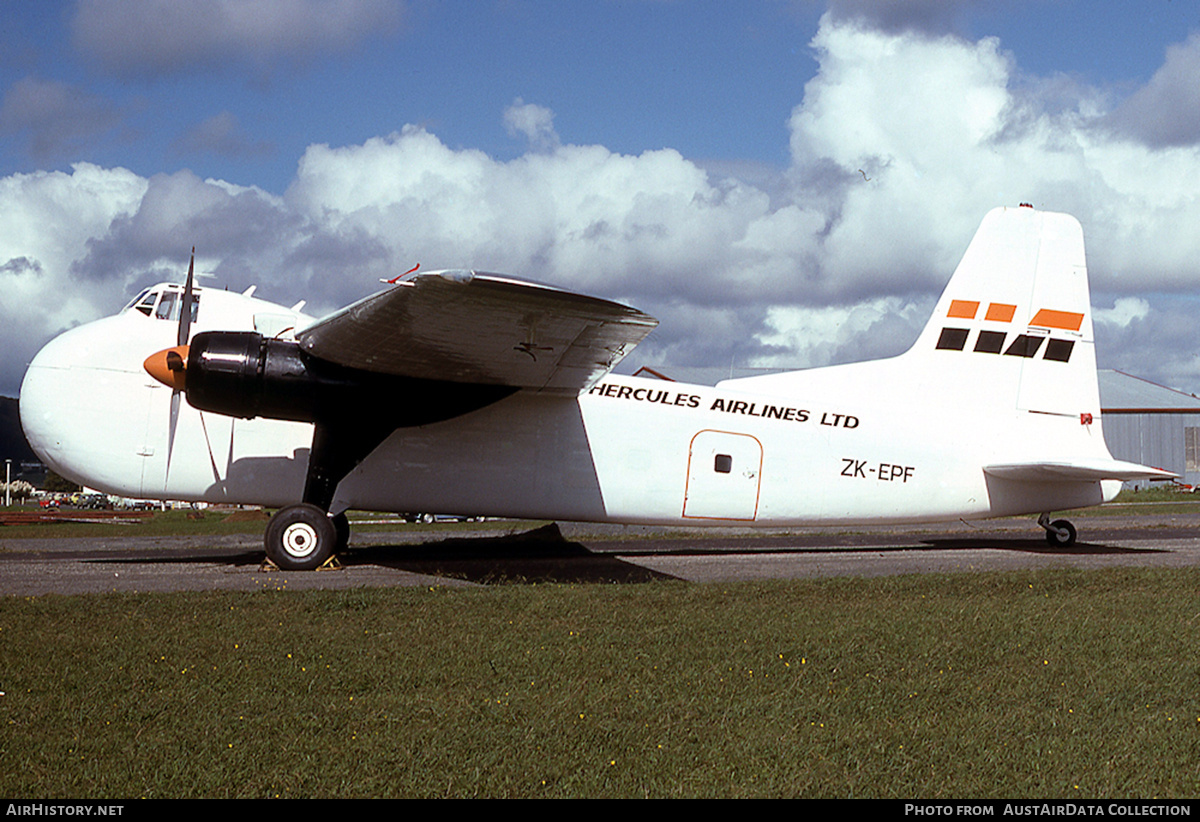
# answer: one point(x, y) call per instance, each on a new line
point(169, 366)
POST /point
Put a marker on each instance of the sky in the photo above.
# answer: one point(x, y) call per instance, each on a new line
point(782, 183)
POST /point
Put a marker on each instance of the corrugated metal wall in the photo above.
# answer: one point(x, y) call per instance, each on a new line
point(1157, 440)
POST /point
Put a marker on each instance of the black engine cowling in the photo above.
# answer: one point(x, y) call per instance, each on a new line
point(244, 374)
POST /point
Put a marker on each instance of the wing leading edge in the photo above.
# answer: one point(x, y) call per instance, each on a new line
point(463, 326)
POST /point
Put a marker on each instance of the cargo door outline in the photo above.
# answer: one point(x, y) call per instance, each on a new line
point(724, 476)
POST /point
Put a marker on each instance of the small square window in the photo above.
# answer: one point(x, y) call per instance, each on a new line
point(1025, 345)
point(1059, 350)
point(723, 464)
point(990, 342)
point(953, 339)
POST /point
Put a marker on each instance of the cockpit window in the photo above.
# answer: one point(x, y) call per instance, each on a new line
point(195, 306)
point(164, 305)
point(144, 302)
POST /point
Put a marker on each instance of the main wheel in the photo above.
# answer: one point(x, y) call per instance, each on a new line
point(341, 525)
point(1061, 534)
point(300, 538)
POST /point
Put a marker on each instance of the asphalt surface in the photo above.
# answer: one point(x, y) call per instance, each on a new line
point(583, 553)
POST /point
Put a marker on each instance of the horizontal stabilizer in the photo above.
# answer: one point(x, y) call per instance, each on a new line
point(463, 326)
point(1077, 471)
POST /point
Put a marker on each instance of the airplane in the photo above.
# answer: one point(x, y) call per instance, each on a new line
point(478, 393)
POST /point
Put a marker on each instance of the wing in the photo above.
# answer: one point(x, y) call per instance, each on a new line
point(1077, 471)
point(462, 326)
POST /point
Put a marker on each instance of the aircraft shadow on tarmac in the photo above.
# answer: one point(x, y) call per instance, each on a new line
point(537, 556)
point(1033, 546)
point(544, 555)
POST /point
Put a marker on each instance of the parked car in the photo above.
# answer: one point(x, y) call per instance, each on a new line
point(430, 518)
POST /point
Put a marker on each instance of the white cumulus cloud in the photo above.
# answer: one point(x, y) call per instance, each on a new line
point(901, 143)
point(533, 122)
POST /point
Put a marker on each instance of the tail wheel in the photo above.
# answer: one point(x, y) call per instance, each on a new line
point(1061, 534)
point(300, 538)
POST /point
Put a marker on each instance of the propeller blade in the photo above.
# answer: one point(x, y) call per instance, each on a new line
point(169, 366)
point(185, 310)
point(173, 423)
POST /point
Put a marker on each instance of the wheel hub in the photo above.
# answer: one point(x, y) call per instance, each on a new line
point(300, 539)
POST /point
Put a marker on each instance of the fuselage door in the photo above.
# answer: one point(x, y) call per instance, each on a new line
point(724, 474)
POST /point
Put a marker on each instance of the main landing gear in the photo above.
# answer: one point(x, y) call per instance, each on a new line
point(1060, 533)
point(303, 537)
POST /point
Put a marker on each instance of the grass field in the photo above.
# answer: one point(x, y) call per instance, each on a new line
point(1041, 684)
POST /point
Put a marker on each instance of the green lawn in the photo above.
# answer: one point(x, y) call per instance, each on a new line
point(1036, 684)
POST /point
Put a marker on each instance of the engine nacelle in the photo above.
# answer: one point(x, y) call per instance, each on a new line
point(244, 374)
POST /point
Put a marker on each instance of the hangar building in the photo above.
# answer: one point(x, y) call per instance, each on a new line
point(1150, 424)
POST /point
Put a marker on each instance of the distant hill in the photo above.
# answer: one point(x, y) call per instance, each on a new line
point(13, 445)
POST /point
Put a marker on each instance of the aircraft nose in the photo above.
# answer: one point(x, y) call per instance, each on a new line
point(83, 405)
point(44, 392)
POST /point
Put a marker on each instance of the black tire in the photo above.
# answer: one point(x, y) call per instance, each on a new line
point(300, 538)
point(341, 526)
point(1061, 534)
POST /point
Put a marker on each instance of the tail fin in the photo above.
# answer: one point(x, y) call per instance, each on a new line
point(1014, 324)
point(1013, 329)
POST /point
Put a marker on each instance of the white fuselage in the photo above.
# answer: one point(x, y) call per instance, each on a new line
point(852, 443)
